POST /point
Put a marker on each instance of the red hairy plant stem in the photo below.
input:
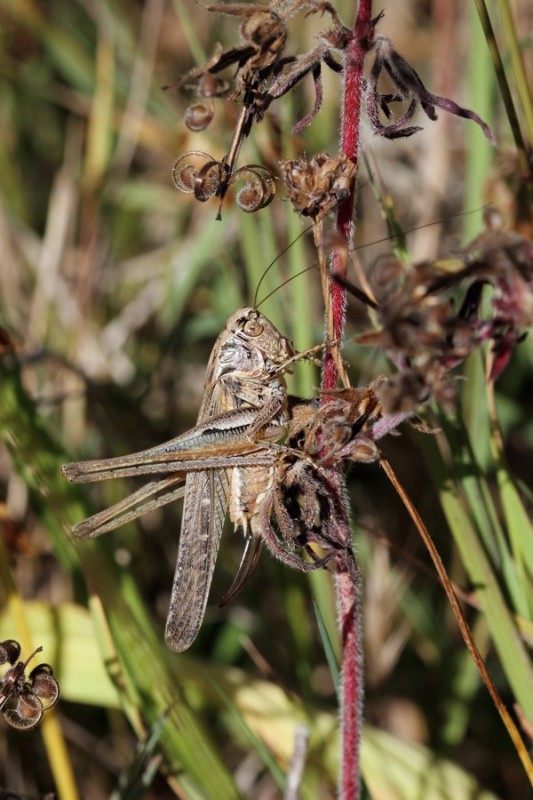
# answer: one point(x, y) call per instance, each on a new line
point(352, 684)
point(354, 57)
point(347, 587)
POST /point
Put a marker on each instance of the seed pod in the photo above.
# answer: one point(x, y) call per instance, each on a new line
point(258, 190)
point(199, 115)
point(209, 86)
point(209, 181)
point(186, 168)
point(317, 185)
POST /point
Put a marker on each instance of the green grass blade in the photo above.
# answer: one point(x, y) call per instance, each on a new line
point(139, 774)
point(502, 625)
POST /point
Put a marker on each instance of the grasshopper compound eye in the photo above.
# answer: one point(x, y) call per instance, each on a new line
point(253, 328)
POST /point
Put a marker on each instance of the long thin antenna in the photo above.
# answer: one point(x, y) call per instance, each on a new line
point(281, 253)
point(357, 292)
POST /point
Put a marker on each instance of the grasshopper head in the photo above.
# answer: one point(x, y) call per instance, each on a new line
point(254, 329)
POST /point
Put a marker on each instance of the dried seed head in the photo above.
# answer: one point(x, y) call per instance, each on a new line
point(202, 81)
point(259, 188)
point(409, 90)
point(505, 260)
point(23, 700)
point(199, 174)
point(186, 169)
point(209, 86)
point(24, 713)
point(404, 391)
point(9, 651)
point(209, 181)
point(339, 429)
point(199, 115)
point(387, 273)
point(317, 185)
point(267, 32)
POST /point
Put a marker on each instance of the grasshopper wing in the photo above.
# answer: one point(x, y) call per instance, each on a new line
point(204, 510)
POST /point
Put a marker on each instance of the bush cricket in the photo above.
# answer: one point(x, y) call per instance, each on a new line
point(227, 462)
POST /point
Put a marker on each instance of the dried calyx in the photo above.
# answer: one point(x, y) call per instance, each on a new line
point(408, 90)
point(316, 186)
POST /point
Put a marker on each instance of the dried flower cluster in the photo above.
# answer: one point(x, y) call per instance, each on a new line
point(426, 335)
point(408, 89)
point(316, 186)
point(321, 439)
point(197, 173)
point(504, 260)
point(264, 74)
point(24, 699)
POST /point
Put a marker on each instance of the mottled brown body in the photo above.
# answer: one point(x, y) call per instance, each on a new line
point(243, 372)
point(225, 461)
